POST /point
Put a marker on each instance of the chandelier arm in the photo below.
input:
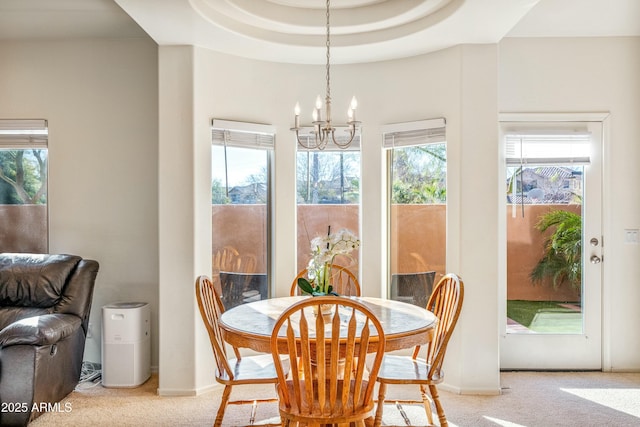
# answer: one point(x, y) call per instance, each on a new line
point(352, 134)
point(320, 134)
point(305, 145)
point(320, 143)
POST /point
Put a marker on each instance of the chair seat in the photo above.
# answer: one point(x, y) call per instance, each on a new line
point(251, 369)
point(406, 370)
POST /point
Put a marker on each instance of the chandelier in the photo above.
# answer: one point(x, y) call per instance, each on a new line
point(323, 131)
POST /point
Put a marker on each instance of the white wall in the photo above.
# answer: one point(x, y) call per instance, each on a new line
point(459, 84)
point(100, 98)
point(593, 75)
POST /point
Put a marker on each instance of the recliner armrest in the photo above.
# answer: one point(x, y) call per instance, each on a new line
point(46, 329)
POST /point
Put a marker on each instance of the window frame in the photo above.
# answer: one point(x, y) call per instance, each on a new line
point(355, 147)
point(253, 136)
point(404, 135)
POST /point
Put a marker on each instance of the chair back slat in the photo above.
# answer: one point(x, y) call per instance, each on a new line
point(334, 356)
point(306, 362)
point(211, 308)
point(446, 303)
point(295, 369)
point(320, 354)
point(328, 379)
point(361, 371)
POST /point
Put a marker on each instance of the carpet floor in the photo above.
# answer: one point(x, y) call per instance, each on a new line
point(531, 399)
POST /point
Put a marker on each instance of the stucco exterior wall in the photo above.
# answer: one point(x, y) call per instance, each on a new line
point(24, 228)
point(420, 245)
point(525, 246)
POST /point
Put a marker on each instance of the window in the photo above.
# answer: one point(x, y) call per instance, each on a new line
point(328, 197)
point(240, 190)
point(417, 176)
point(23, 186)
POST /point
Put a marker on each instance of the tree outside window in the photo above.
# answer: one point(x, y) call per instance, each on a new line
point(23, 177)
point(23, 200)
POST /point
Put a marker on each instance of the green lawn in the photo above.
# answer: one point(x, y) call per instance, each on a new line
point(545, 316)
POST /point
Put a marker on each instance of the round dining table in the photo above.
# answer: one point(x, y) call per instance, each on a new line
point(250, 325)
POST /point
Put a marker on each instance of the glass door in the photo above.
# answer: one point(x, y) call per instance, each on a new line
point(553, 245)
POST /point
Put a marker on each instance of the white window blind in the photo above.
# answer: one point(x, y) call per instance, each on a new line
point(242, 134)
point(307, 136)
point(547, 148)
point(19, 134)
point(431, 131)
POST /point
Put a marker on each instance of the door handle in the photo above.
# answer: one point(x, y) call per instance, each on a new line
point(595, 259)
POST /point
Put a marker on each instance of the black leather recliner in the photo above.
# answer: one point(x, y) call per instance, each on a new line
point(45, 301)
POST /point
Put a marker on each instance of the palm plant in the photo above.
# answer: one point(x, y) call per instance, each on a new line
point(562, 260)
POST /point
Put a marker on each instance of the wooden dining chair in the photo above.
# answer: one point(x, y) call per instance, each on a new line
point(343, 280)
point(237, 371)
point(329, 382)
point(215, 287)
point(426, 370)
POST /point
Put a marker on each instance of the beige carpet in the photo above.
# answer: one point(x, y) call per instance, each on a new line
point(531, 399)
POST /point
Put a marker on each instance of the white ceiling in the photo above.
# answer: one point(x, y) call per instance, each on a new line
point(294, 30)
point(61, 19)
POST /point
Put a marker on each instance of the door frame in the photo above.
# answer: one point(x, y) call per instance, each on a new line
point(605, 312)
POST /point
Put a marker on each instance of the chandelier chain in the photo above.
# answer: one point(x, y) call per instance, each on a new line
point(328, 54)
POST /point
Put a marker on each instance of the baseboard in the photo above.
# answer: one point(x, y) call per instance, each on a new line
point(174, 392)
point(470, 391)
point(207, 388)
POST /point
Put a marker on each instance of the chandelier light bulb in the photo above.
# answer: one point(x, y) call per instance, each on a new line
point(354, 103)
point(296, 111)
point(318, 102)
point(352, 111)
